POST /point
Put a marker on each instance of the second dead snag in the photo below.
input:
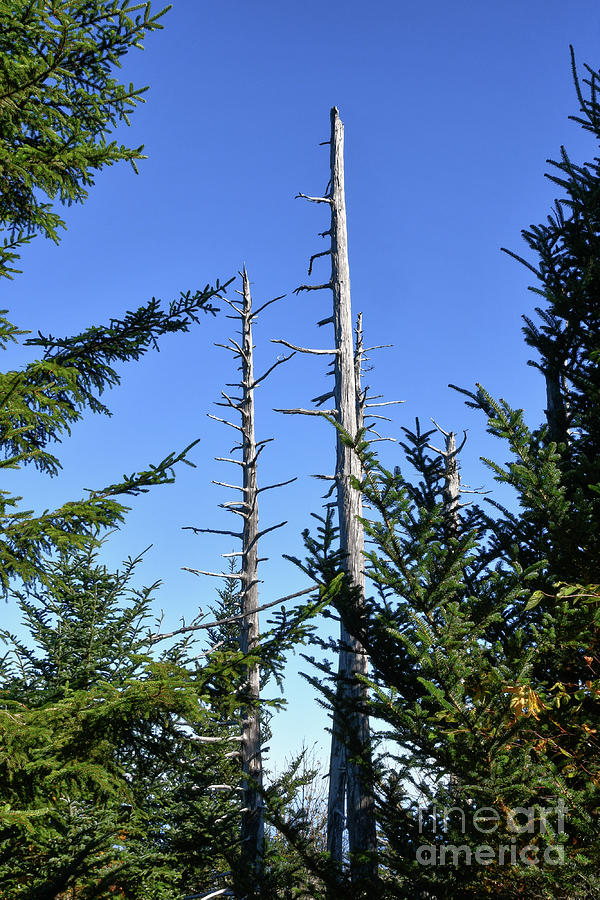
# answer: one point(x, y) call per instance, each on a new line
point(452, 485)
point(351, 799)
point(252, 821)
point(252, 835)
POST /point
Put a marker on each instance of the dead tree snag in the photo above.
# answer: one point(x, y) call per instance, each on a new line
point(242, 404)
point(351, 800)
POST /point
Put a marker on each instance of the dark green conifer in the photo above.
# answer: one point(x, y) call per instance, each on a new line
point(59, 101)
point(99, 744)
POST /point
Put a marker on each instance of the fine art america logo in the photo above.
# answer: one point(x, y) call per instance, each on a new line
point(522, 820)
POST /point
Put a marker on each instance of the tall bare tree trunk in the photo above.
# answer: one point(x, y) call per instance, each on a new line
point(347, 776)
point(253, 827)
point(252, 816)
point(350, 799)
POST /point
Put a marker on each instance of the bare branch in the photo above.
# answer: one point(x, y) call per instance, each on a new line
point(235, 487)
point(327, 495)
point(436, 450)
point(231, 509)
point(313, 287)
point(323, 397)
point(385, 403)
point(463, 442)
point(307, 412)
point(271, 528)
point(238, 462)
point(213, 574)
point(235, 401)
point(229, 405)
point(316, 256)
point(264, 306)
point(233, 306)
point(333, 352)
point(439, 428)
point(226, 347)
point(228, 621)
point(278, 362)
point(269, 487)
point(252, 462)
point(235, 534)
point(326, 321)
point(220, 892)
point(224, 421)
point(447, 434)
point(314, 199)
point(241, 352)
point(224, 787)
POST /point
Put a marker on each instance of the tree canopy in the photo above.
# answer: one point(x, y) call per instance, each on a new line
point(59, 101)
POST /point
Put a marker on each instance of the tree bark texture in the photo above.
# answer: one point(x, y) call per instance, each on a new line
point(252, 828)
point(347, 781)
point(451, 486)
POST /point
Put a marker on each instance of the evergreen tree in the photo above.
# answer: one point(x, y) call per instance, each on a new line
point(42, 401)
point(226, 611)
point(209, 867)
point(105, 787)
point(59, 99)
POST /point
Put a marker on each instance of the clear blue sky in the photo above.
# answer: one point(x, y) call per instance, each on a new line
point(450, 111)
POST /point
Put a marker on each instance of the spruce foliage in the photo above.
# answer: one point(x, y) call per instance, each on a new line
point(104, 787)
point(59, 100)
point(99, 762)
point(41, 403)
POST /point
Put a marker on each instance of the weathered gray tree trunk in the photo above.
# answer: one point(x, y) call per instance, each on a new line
point(347, 777)
point(253, 828)
point(351, 800)
point(252, 816)
point(452, 484)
